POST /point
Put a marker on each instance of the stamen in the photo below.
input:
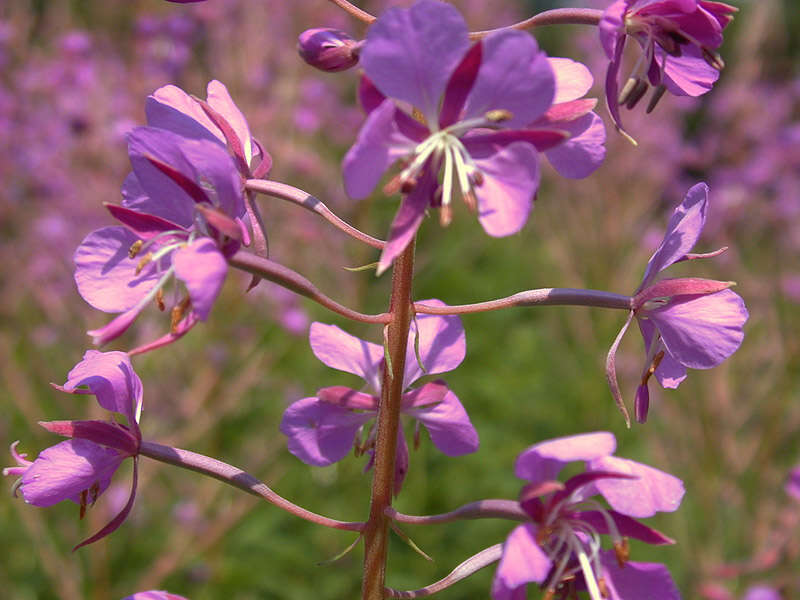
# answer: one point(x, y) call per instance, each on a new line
point(446, 214)
point(601, 583)
point(588, 576)
point(627, 89)
point(638, 92)
point(713, 59)
point(135, 248)
point(622, 551)
point(160, 299)
point(143, 262)
point(653, 366)
point(178, 313)
point(658, 92)
point(499, 115)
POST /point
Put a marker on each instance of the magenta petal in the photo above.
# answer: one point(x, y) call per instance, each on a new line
point(610, 27)
point(320, 433)
point(105, 274)
point(573, 79)
point(460, 85)
point(446, 421)
point(543, 461)
point(584, 151)
point(510, 181)
point(514, 76)
point(652, 491)
point(701, 331)
point(142, 224)
point(410, 53)
point(627, 526)
point(523, 562)
point(345, 352)
point(688, 74)
point(114, 328)
point(637, 580)
point(201, 266)
point(683, 230)
point(441, 341)
point(63, 471)
point(111, 378)
point(369, 97)
point(345, 397)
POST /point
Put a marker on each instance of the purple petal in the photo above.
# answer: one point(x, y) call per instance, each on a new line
point(610, 26)
point(369, 97)
point(762, 592)
point(792, 484)
point(105, 274)
point(410, 53)
point(641, 404)
point(626, 526)
point(143, 225)
point(612, 86)
point(320, 433)
point(442, 344)
point(584, 151)
point(523, 562)
point(510, 181)
point(670, 373)
point(683, 230)
point(446, 421)
point(543, 461)
point(201, 266)
point(171, 108)
point(65, 470)
point(114, 328)
point(345, 352)
point(573, 79)
point(637, 580)
point(154, 594)
point(652, 491)
point(379, 144)
point(701, 331)
point(111, 378)
point(221, 101)
point(514, 76)
point(688, 74)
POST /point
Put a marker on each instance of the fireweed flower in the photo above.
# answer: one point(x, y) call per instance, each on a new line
point(154, 595)
point(560, 547)
point(678, 39)
point(80, 469)
point(694, 323)
point(322, 429)
point(181, 213)
point(479, 114)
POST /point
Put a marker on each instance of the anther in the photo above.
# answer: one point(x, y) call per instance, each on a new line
point(477, 178)
point(470, 201)
point(408, 185)
point(95, 491)
point(638, 91)
point(177, 314)
point(549, 594)
point(623, 552)
point(601, 583)
point(393, 185)
point(653, 366)
point(499, 115)
point(160, 299)
point(627, 89)
point(445, 215)
point(145, 260)
point(713, 59)
point(135, 247)
point(658, 92)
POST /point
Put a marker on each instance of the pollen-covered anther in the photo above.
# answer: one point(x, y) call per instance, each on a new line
point(445, 215)
point(713, 59)
point(601, 584)
point(135, 248)
point(622, 551)
point(499, 115)
point(470, 201)
point(178, 312)
point(143, 262)
point(160, 300)
point(549, 594)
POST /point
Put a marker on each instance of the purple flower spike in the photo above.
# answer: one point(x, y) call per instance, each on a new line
point(154, 595)
point(323, 429)
point(80, 469)
point(478, 114)
point(560, 547)
point(181, 212)
point(678, 38)
point(685, 323)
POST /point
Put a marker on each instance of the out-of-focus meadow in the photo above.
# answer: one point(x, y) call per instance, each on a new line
point(73, 79)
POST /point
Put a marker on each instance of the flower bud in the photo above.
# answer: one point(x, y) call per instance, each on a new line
point(328, 49)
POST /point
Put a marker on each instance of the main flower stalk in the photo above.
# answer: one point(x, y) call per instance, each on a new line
point(376, 532)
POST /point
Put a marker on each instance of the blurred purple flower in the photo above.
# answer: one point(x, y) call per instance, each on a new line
point(478, 112)
point(153, 594)
point(679, 39)
point(762, 592)
point(560, 547)
point(80, 469)
point(182, 209)
point(322, 429)
point(793, 483)
point(694, 323)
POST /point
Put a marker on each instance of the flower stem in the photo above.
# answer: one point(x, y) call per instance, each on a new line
point(540, 297)
point(229, 474)
point(376, 531)
point(482, 509)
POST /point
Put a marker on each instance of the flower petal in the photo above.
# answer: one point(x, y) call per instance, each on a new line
point(581, 154)
point(637, 580)
point(543, 461)
point(169, 107)
point(442, 344)
point(345, 352)
point(201, 266)
point(410, 53)
point(627, 526)
point(221, 101)
point(685, 75)
point(573, 79)
point(523, 561)
point(446, 421)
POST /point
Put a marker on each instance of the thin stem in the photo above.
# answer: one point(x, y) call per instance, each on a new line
point(239, 479)
point(540, 297)
point(291, 280)
point(474, 563)
point(556, 16)
point(309, 202)
point(376, 531)
point(482, 509)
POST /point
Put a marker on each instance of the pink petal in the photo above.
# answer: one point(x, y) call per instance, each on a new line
point(688, 74)
point(221, 101)
point(154, 595)
point(446, 420)
point(201, 266)
point(441, 341)
point(523, 562)
point(581, 154)
point(111, 378)
point(627, 526)
point(543, 461)
point(637, 580)
point(573, 79)
point(345, 352)
point(171, 108)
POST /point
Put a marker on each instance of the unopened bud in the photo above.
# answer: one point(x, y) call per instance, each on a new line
point(328, 49)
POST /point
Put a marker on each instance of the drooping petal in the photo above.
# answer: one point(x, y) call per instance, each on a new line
point(683, 230)
point(63, 471)
point(444, 417)
point(701, 331)
point(410, 53)
point(650, 492)
point(610, 26)
point(111, 378)
point(514, 76)
point(543, 461)
point(321, 433)
point(345, 352)
point(627, 526)
point(441, 341)
point(116, 327)
point(106, 275)
point(573, 79)
point(612, 85)
point(584, 151)
point(201, 266)
point(637, 580)
point(510, 181)
point(523, 562)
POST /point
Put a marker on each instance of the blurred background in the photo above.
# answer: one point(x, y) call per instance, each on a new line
point(73, 79)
